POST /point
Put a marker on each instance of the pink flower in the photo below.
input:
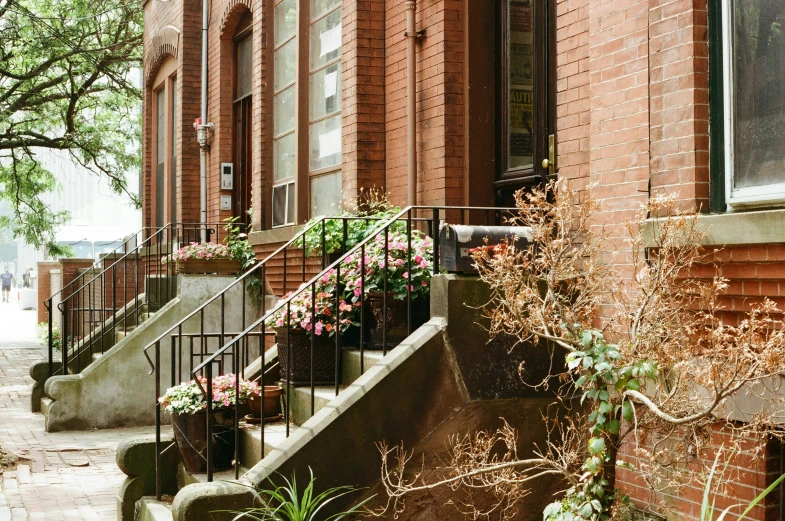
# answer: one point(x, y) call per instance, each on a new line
point(405, 275)
point(424, 284)
point(318, 328)
point(418, 259)
point(357, 292)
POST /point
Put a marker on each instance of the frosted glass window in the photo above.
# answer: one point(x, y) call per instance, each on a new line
point(244, 67)
point(326, 39)
point(285, 20)
point(319, 7)
point(284, 111)
point(283, 204)
point(285, 64)
point(325, 138)
point(758, 78)
point(326, 194)
point(325, 91)
point(284, 157)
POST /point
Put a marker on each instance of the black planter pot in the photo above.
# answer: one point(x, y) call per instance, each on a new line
point(298, 370)
point(397, 330)
point(190, 433)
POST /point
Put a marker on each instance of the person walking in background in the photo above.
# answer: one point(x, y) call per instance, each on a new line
point(6, 278)
point(26, 278)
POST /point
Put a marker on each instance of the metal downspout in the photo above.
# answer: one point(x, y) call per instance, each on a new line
point(203, 145)
point(411, 100)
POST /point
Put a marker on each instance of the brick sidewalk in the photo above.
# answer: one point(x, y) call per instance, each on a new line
point(68, 475)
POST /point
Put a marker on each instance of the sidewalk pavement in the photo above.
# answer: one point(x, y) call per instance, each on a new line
point(59, 476)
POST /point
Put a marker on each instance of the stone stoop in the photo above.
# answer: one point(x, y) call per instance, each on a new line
point(250, 449)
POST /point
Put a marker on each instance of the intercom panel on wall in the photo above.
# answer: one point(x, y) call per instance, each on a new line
point(227, 176)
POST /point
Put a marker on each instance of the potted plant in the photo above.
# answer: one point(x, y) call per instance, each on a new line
point(272, 405)
point(187, 404)
point(400, 277)
point(299, 323)
point(371, 205)
point(203, 257)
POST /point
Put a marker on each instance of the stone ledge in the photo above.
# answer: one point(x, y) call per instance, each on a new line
point(274, 236)
point(732, 229)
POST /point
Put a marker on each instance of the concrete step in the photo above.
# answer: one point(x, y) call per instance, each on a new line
point(251, 441)
point(151, 509)
point(185, 478)
point(46, 402)
point(301, 401)
point(351, 363)
point(96, 356)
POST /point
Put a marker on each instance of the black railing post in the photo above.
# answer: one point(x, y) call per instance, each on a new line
point(384, 292)
point(48, 306)
point(236, 367)
point(262, 349)
point(64, 338)
point(289, 361)
point(209, 395)
point(409, 269)
point(362, 308)
point(436, 233)
point(157, 421)
point(337, 328)
point(313, 344)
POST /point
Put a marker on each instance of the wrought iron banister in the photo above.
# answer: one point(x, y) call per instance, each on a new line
point(237, 345)
point(89, 312)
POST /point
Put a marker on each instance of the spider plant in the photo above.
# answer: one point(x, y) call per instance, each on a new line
point(707, 504)
point(288, 503)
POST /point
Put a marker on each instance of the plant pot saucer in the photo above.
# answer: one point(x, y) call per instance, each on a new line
point(255, 421)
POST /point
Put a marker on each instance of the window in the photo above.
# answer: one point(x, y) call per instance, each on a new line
point(243, 123)
point(753, 94)
point(525, 100)
point(307, 74)
point(165, 122)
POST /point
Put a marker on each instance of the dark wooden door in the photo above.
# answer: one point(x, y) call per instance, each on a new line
point(525, 95)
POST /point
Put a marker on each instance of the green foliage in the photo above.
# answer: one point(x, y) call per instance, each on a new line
point(65, 68)
point(603, 376)
point(356, 229)
point(288, 503)
point(707, 504)
point(240, 250)
point(42, 332)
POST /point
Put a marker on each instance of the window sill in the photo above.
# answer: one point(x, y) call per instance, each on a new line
point(274, 236)
point(733, 229)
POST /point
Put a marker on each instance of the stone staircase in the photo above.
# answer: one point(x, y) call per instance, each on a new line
point(250, 449)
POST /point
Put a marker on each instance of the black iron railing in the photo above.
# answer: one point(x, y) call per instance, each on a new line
point(108, 297)
point(425, 219)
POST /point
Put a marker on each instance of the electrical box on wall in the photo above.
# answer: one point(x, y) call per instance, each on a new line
point(226, 202)
point(227, 177)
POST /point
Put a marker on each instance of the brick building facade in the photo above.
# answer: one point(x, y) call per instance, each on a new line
point(640, 96)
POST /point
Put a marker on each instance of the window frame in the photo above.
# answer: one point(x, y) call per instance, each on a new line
point(300, 182)
point(242, 116)
point(745, 197)
point(164, 84)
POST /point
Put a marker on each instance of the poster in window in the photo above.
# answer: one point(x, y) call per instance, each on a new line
point(520, 16)
point(520, 144)
point(521, 110)
point(521, 69)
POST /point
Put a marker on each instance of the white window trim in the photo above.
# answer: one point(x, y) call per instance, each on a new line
point(736, 198)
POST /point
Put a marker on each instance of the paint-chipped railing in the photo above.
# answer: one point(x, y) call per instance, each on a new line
point(425, 219)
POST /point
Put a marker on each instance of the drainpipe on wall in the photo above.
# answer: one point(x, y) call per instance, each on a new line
point(411, 99)
point(203, 141)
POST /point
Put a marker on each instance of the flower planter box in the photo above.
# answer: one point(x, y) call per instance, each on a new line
point(298, 342)
point(211, 266)
point(397, 330)
point(190, 433)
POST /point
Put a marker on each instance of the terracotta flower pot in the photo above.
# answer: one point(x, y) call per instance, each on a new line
point(190, 433)
point(272, 404)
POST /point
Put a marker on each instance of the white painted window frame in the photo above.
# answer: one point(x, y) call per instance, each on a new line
point(736, 198)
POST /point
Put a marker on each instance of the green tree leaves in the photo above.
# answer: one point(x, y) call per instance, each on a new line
point(65, 84)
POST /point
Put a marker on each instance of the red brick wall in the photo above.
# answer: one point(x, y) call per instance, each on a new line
point(750, 469)
point(44, 286)
point(274, 268)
